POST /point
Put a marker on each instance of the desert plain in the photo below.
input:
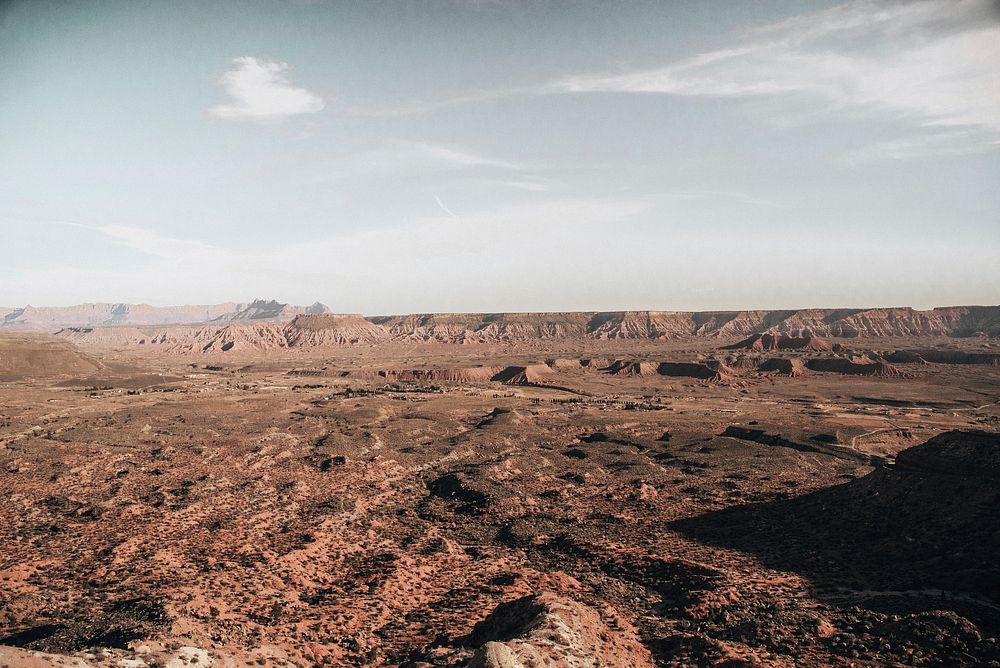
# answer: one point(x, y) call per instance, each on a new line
point(298, 488)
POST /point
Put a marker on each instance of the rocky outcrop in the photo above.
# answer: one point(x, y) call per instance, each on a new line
point(711, 370)
point(532, 374)
point(262, 336)
point(626, 368)
point(485, 327)
point(642, 325)
point(551, 630)
point(772, 342)
point(126, 337)
point(948, 321)
point(440, 328)
point(330, 329)
point(787, 367)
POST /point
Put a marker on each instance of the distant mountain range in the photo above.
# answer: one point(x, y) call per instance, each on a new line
point(268, 323)
point(103, 315)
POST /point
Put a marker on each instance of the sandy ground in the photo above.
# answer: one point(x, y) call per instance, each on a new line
point(310, 510)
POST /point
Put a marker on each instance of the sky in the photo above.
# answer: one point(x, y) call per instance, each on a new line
point(478, 155)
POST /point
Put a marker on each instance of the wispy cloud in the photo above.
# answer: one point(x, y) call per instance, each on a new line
point(927, 62)
point(150, 242)
point(937, 61)
point(260, 90)
point(444, 207)
point(454, 156)
point(950, 142)
point(422, 106)
point(396, 157)
point(531, 185)
point(726, 195)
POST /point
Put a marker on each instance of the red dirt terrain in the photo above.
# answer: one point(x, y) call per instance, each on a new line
point(629, 489)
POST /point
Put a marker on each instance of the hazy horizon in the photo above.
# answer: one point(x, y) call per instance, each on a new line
point(374, 314)
point(501, 156)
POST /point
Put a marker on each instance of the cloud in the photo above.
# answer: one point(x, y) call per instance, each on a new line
point(937, 61)
point(150, 242)
point(260, 90)
point(951, 142)
point(406, 157)
point(928, 63)
point(727, 195)
point(524, 184)
point(444, 207)
point(457, 157)
point(422, 106)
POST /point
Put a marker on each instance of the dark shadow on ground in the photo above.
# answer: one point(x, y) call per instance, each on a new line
point(923, 534)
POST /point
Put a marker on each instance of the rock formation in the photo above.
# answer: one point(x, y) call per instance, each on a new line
point(550, 630)
point(284, 326)
point(772, 342)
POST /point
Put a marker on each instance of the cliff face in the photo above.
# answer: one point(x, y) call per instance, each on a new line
point(241, 337)
point(261, 327)
point(320, 330)
point(484, 327)
point(805, 323)
point(500, 327)
point(126, 336)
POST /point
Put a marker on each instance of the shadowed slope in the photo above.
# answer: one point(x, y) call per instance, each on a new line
point(920, 535)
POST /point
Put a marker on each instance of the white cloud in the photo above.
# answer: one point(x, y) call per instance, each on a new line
point(444, 207)
point(150, 242)
point(534, 186)
point(937, 61)
point(727, 195)
point(260, 90)
point(924, 62)
point(427, 106)
point(416, 158)
point(403, 155)
point(951, 142)
point(457, 157)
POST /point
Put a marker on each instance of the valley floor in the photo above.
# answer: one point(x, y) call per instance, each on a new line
point(321, 511)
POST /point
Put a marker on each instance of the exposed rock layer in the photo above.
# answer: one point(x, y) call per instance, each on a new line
point(259, 327)
point(500, 327)
point(551, 630)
